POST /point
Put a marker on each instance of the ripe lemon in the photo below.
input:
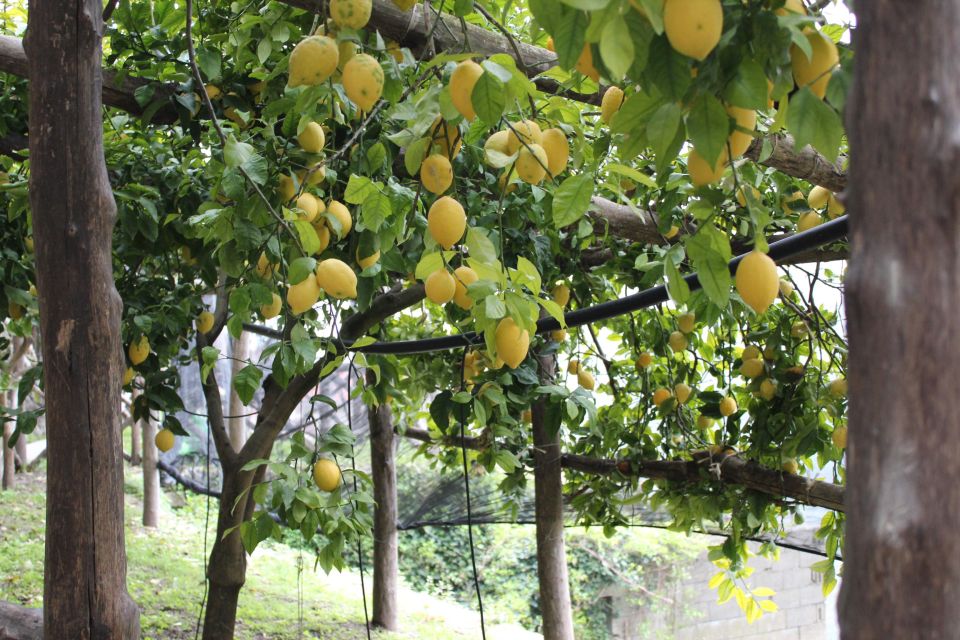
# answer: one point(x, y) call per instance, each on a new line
point(682, 392)
point(750, 353)
point(757, 281)
point(677, 341)
point(835, 207)
point(752, 368)
point(303, 295)
point(768, 389)
point(462, 81)
point(693, 27)
point(701, 173)
point(15, 310)
point(405, 5)
point(312, 138)
point(347, 50)
point(558, 335)
point(838, 388)
point(554, 142)
point(272, 310)
point(139, 350)
point(464, 276)
point(323, 235)
point(512, 343)
point(704, 423)
point(739, 140)
point(393, 48)
point(799, 329)
point(790, 466)
point(446, 221)
point(532, 164)
point(644, 360)
point(728, 406)
point(337, 279)
point(440, 286)
point(573, 367)
point(585, 64)
point(204, 322)
point(128, 375)
point(786, 289)
point(792, 6)
point(436, 174)
point(672, 232)
point(164, 440)
point(814, 72)
point(661, 395)
point(341, 214)
point(351, 14)
point(310, 206)
point(314, 174)
point(446, 138)
point(808, 221)
point(497, 143)
point(526, 415)
point(839, 437)
point(326, 474)
point(369, 261)
point(819, 197)
point(312, 61)
point(363, 81)
point(265, 268)
point(742, 198)
point(793, 202)
point(213, 91)
point(286, 189)
point(526, 130)
point(610, 103)
point(687, 322)
point(561, 294)
point(585, 380)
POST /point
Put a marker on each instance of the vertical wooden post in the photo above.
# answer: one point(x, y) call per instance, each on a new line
point(548, 506)
point(239, 350)
point(84, 587)
point(384, 472)
point(135, 439)
point(9, 461)
point(151, 476)
point(902, 556)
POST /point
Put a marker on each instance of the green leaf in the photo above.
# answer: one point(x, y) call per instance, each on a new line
point(209, 356)
point(300, 269)
point(555, 311)
point(570, 36)
point(429, 263)
point(668, 69)
point(663, 126)
point(813, 121)
point(308, 236)
point(571, 200)
point(495, 309)
point(616, 47)
point(246, 383)
point(749, 87)
point(531, 275)
point(489, 98)
point(375, 210)
point(480, 247)
point(359, 189)
point(586, 5)
point(633, 174)
point(414, 155)
point(677, 287)
point(709, 250)
point(708, 125)
point(242, 155)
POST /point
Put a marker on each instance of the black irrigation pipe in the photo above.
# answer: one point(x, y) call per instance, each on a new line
point(780, 250)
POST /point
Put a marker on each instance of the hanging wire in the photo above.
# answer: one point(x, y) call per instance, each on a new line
point(353, 467)
point(466, 485)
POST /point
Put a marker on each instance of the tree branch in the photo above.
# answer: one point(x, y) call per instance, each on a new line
point(805, 164)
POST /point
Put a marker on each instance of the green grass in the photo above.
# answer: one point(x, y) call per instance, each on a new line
point(165, 577)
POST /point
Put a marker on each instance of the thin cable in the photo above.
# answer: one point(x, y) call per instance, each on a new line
point(466, 486)
point(353, 466)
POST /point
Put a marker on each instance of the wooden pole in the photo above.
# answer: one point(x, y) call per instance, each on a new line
point(383, 448)
point(151, 476)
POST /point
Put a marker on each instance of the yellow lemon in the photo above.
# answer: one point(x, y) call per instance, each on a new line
point(644, 360)
point(312, 138)
point(790, 466)
point(677, 341)
point(272, 310)
point(436, 174)
point(742, 197)
point(573, 367)
point(682, 392)
point(561, 294)
point(213, 91)
point(310, 206)
point(337, 279)
point(341, 214)
point(757, 281)
point(323, 235)
point(286, 189)
point(739, 141)
point(661, 395)
point(446, 138)
point(704, 423)
point(750, 353)
point(839, 437)
point(728, 406)
point(204, 322)
point(303, 295)
point(532, 164)
point(164, 440)
point(838, 388)
point(462, 81)
point(128, 376)
point(405, 5)
point(446, 221)
point(558, 335)
point(265, 268)
point(792, 6)
point(312, 61)
point(526, 130)
point(326, 475)
point(464, 276)
point(15, 310)
point(672, 232)
point(369, 261)
point(497, 143)
point(139, 350)
point(693, 27)
point(347, 50)
point(808, 221)
point(610, 103)
point(786, 289)
point(585, 380)
point(794, 201)
point(752, 368)
point(835, 207)
point(585, 64)
point(512, 343)
point(554, 142)
point(814, 72)
point(440, 286)
point(351, 14)
point(701, 173)
point(363, 81)
point(819, 197)
point(768, 389)
point(686, 322)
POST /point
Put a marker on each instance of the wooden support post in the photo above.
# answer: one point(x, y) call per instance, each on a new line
point(383, 448)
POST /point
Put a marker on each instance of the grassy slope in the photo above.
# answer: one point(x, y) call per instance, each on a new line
point(165, 577)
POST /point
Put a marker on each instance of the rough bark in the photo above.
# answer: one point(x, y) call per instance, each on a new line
point(151, 476)
point(135, 439)
point(902, 561)
point(555, 607)
point(239, 351)
point(85, 594)
point(385, 560)
point(9, 456)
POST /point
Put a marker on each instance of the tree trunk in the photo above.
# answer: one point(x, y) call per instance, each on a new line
point(21, 452)
point(383, 445)
point(151, 477)
point(902, 558)
point(135, 439)
point(85, 593)
point(9, 462)
point(239, 350)
point(548, 502)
